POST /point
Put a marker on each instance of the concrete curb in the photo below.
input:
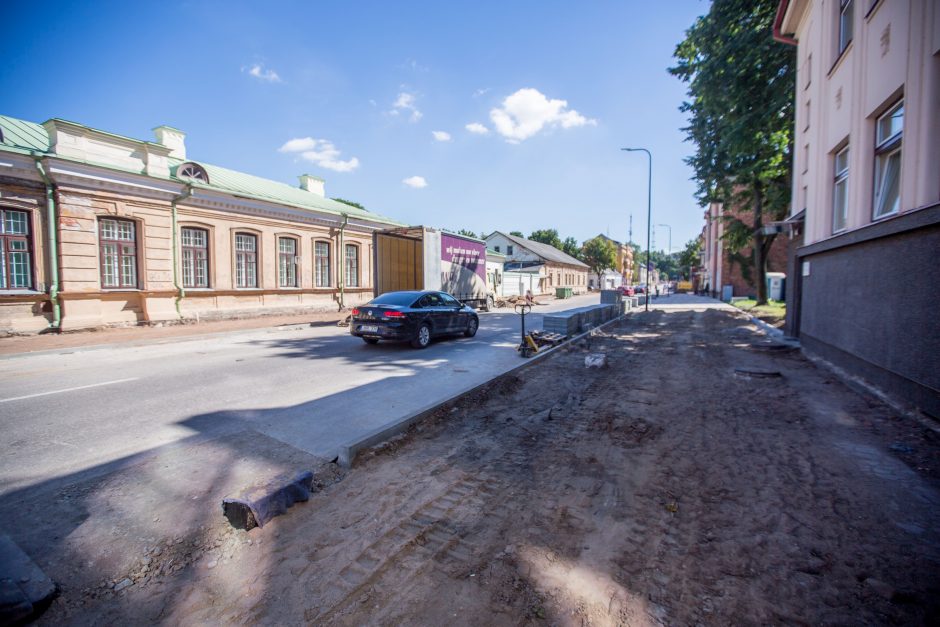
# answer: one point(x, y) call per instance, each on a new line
point(257, 505)
point(347, 453)
point(25, 591)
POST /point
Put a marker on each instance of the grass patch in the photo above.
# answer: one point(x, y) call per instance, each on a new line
point(773, 313)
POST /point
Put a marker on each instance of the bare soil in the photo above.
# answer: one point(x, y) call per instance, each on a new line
point(705, 476)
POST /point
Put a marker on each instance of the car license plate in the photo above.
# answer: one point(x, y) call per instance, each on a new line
point(368, 328)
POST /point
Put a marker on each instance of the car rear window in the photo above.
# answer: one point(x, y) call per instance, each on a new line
point(402, 299)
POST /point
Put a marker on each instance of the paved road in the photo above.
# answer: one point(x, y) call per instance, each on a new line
point(314, 388)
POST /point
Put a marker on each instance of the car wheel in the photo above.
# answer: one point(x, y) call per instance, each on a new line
point(422, 337)
point(490, 304)
point(472, 327)
point(370, 340)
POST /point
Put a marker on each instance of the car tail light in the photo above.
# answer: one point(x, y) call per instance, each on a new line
point(393, 314)
point(355, 312)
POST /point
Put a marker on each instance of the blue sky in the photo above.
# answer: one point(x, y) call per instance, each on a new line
point(355, 91)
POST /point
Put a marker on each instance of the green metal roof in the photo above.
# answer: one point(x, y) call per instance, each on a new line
point(23, 136)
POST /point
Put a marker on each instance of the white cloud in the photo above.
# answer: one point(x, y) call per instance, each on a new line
point(480, 92)
point(528, 111)
point(441, 136)
point(320, 152)
point(406, 102)
point(476, 127)
point(257, 70)
point(299, 144)
point(415, 181)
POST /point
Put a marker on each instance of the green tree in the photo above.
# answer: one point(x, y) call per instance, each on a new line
point(689, 257)
point(547, 236)
point(468, 233)
point(740, 106)
point(517, 234)
point(667, 264)
point(599, 254)
point(350, 203)
point(570, 247)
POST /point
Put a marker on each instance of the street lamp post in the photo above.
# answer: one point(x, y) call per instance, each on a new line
point(649, 217)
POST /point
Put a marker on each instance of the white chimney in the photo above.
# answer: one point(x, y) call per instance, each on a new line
point(313, 184)
point(172, 138)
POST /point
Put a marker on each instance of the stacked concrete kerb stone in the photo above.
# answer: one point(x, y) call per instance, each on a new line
point(611, 297)
point(573, 321)
point(564, 323)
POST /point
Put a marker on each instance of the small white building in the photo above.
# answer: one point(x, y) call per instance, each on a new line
point(494, 272)
point(607, 280)
point(552, 267)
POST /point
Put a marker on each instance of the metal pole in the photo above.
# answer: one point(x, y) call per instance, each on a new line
point(649, 218)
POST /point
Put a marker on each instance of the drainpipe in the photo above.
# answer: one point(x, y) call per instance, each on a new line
point(342, 263)
point(53, 246)
point(181, 293)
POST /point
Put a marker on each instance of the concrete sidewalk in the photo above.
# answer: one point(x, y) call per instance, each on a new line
point(117, 336)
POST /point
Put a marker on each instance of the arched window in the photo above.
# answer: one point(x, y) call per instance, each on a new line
point(192, 171)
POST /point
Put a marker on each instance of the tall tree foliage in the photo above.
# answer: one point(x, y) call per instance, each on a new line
point(599, 254)
point(547, 236)
point(570, 247)
point(689, 257)
point(740, 106)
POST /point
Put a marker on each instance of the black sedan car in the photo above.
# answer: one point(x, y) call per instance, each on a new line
point(412, 316)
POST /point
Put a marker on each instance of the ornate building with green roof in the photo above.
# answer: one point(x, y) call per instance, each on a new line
point(102, 230)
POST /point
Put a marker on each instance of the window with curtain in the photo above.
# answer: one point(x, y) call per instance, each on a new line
point(846, 14)
point(840, 200)
point(889, 132)
point(16, 261)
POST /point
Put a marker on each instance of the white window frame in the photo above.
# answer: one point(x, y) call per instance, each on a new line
point(350, 270)
point(194, 249)
point(287, 266)
point(846, 26)
point(840, 214)
point(888, 151)
point(16, 249)
point(117, 252)
point(322, 264)
point(246, 260)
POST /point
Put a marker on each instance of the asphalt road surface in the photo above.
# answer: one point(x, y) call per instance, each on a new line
point(312, 387)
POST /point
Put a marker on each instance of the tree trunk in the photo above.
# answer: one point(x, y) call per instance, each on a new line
point(760, 265)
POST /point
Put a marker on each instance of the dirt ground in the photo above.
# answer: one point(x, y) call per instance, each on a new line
point(705, 476)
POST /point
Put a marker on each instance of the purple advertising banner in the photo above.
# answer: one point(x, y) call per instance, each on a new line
point(467, 253)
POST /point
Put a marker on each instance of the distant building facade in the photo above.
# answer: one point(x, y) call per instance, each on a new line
point(104, 230)
point(624, 265)
point(866, 189)
point(727, 274)
point(555, 268)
